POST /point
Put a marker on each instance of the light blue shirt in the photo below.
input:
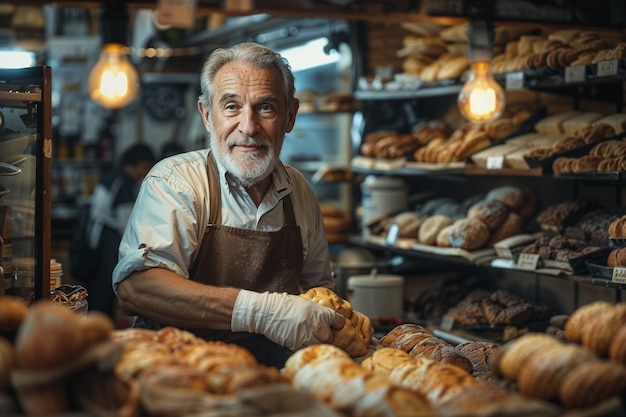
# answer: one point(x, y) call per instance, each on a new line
point(171, 214)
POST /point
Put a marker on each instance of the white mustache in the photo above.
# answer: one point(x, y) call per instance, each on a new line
point(248, 142)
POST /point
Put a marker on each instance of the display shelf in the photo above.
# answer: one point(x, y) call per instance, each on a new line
point(426, 91)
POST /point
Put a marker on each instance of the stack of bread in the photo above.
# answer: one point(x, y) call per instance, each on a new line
point(555, 134)
point(354, 390)
point(338, 224)
point(606, 156)
point(357, 331)
point(451, 390)
point(559, 49)
point(584, 370)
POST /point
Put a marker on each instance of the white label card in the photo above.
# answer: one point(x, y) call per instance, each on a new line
point(495, 162)
point(619, 275)
point(504, 253)
point(392, 234)
point(606, 68)
point(447, 323)
point(528, 261)
point(514, 81)
point(575, 74)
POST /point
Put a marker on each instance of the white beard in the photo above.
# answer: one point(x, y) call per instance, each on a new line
point(254, 168)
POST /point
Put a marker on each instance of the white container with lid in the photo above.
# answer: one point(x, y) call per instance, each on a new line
point(382, 195)
point(377, 296)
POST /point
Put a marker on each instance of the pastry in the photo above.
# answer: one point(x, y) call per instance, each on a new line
point(601, 328)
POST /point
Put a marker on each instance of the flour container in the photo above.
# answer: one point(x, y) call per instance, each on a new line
point(377, 296)
point(382, 195)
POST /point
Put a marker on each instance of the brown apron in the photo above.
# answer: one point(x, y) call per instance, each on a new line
point(249, 259)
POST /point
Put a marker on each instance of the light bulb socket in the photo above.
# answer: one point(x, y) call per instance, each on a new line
point(480, 35)
point(114, 22)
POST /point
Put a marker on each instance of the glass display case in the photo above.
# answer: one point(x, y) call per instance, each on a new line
point(25, 166)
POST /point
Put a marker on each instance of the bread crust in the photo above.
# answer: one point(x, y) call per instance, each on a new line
point(579, 319)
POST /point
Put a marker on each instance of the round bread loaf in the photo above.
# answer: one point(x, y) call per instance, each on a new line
point(512, 196)
point(617, 349)
point(591, 383)
point(311, 354)
point(515, 356)
point(431, 227)
point(328, 298)
point(491, 212)
point(469, 234)
point(512, 226)
point(579, 319)
point(13, 310)
point(603, 325)
point(479, 354)
point(541, 375)
point(443, 238)
point(617, 228)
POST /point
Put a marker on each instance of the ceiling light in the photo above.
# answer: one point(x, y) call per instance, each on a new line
point(113, 81)
point(481, 99)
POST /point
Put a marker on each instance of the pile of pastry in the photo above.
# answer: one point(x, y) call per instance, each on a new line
point(500, 308)
point(585, 369)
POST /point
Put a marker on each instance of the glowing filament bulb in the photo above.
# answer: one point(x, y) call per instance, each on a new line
point(481, 99)
point(113, 81)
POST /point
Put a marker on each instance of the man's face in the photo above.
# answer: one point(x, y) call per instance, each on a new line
point(248, 120)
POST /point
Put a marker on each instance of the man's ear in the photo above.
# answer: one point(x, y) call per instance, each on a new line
point(291, 119)
point(204, 112)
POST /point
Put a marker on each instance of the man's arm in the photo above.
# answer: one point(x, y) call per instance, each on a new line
point(167, 298)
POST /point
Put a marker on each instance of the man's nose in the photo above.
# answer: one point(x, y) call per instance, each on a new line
point(248, 123)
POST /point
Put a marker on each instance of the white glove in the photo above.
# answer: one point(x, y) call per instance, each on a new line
point(288, 320)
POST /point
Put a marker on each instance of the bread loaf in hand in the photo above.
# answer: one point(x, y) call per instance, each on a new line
point(357, 331)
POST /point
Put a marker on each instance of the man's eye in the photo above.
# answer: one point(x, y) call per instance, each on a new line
point(230, 107)
point(266, 108)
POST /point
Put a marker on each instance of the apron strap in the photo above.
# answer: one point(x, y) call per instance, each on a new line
point(215, 212)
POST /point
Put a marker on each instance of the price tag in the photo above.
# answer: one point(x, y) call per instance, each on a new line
point(504, 253)
point(392, 234)
point(178, 13)
point(495, 162)
point(606, 68)
point(528, 261)
point(447, 323)
point(514, 81)
point(619, 275)
point(575, 74)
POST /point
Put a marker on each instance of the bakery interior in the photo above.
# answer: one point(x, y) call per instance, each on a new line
point(487, 247)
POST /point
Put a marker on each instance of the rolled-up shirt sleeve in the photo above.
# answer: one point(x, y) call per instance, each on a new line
point(165, 226)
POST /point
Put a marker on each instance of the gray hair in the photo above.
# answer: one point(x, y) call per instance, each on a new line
point(257, 55)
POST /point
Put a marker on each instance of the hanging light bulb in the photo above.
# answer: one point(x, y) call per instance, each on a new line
point(481, 98)
point(113, 81)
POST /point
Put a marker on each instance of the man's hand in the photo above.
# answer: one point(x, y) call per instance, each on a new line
point(288, 320)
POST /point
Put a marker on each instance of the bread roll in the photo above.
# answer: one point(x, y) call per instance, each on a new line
point(479, 354)
point(491, 212)
point(515, 356)
point(591, 383)
point(311, 354)
point(323, 378)
point(328, 298)
point(617, 349)
point(541, 375)
point(579, 319)
point(13, 311)
point(601, 328)
point(431, 227)
point(469, 234)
